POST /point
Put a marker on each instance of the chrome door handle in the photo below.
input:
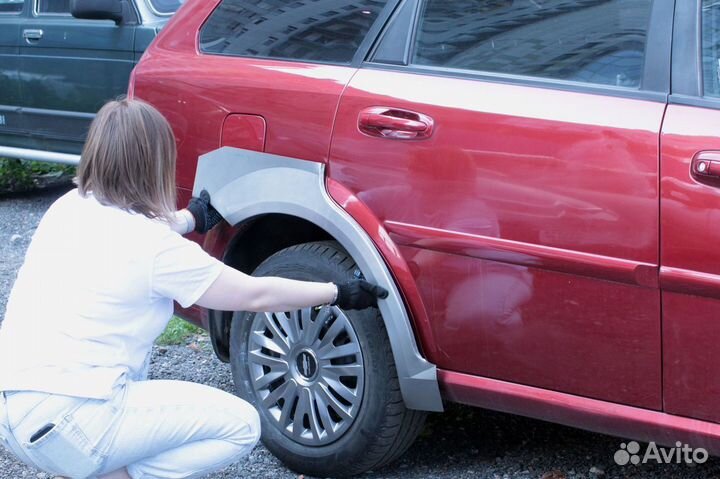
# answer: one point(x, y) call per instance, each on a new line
point(33, 34)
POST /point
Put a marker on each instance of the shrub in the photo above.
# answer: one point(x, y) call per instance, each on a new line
point(22, 175)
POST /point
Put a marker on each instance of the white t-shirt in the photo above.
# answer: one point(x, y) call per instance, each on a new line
point(95, 290)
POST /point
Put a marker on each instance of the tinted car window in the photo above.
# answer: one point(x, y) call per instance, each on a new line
point(314, 30)
point(711, 47)
point(53, 6)
point(11, 6)
point(592, 41)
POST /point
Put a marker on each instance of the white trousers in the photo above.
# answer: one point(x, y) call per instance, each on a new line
point(157, 429)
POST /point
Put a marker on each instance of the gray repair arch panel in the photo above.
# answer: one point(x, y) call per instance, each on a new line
point(244, 184)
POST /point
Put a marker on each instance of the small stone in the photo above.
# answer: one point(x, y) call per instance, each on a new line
point(162, 350)
point(597, 471)
point(15, 238)
point(41, 475)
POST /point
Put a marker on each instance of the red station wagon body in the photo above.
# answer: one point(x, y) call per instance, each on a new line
point(553, 241)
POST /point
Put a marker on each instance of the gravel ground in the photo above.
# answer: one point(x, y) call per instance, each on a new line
point(461, 443)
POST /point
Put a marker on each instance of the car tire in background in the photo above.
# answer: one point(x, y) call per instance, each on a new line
point(322, 379)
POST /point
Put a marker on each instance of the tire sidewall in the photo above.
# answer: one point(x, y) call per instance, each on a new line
point(310, 266)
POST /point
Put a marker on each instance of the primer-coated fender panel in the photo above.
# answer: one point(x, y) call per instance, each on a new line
point(244, 184)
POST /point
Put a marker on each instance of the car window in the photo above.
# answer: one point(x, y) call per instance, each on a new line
point(11, 6)
point(55, 7)
point(711, 47)
point(165, 7)
point(590, 41)
point(309, 30)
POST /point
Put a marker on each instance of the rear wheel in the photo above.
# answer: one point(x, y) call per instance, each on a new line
point(322, 379)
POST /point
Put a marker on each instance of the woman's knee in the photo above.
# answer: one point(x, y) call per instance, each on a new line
point(246, 430)
point(253, 422)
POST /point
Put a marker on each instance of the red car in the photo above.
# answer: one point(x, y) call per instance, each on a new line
point(535, 181)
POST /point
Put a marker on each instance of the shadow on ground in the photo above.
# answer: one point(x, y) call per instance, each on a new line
point(471, 442)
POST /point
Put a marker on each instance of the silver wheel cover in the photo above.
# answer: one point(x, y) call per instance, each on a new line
point(306, 368)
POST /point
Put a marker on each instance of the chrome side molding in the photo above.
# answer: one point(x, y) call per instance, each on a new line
point(39, 155)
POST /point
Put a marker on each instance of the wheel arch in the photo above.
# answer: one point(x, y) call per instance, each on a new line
point(247, 186)
point(252, 242)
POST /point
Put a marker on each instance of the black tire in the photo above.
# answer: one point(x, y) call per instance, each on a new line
point(383, 428)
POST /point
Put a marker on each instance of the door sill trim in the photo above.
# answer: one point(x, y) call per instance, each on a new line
point(591, 414)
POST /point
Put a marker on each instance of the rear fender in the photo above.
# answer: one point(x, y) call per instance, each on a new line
point(244, 184)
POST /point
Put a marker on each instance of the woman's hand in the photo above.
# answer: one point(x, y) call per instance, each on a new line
point(205, 215)
point(358, 294)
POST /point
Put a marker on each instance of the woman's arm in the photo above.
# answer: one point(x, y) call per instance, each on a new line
point(236, 291)
point(182, 222)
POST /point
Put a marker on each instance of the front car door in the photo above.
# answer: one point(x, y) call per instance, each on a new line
point(12, 13)
point(511, 151)
point(690, 209)
point(69, 68)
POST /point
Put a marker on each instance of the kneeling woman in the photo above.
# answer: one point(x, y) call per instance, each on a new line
point(96, 289)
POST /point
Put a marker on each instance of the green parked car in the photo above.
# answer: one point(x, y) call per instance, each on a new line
point(60, 60)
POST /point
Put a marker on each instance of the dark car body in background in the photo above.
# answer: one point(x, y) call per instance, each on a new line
point(56, 70)
point(540, 178)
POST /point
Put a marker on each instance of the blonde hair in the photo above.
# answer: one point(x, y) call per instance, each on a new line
point(129, 159)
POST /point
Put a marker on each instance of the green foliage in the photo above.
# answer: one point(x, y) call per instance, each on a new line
point(177, 331)
point(22, 175)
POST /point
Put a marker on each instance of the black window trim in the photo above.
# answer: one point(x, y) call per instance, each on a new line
point(688, 86)
point(374, 32)
point(655, 84)
point(400, 54)
point(356, 62)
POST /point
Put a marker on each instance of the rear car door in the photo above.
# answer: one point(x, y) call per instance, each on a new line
point(69, 68)
point(690, 210)
point(12, 13)
point(510, 149)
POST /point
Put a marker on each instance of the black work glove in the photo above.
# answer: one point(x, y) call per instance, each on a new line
point(205, 215)
point(358, 294)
